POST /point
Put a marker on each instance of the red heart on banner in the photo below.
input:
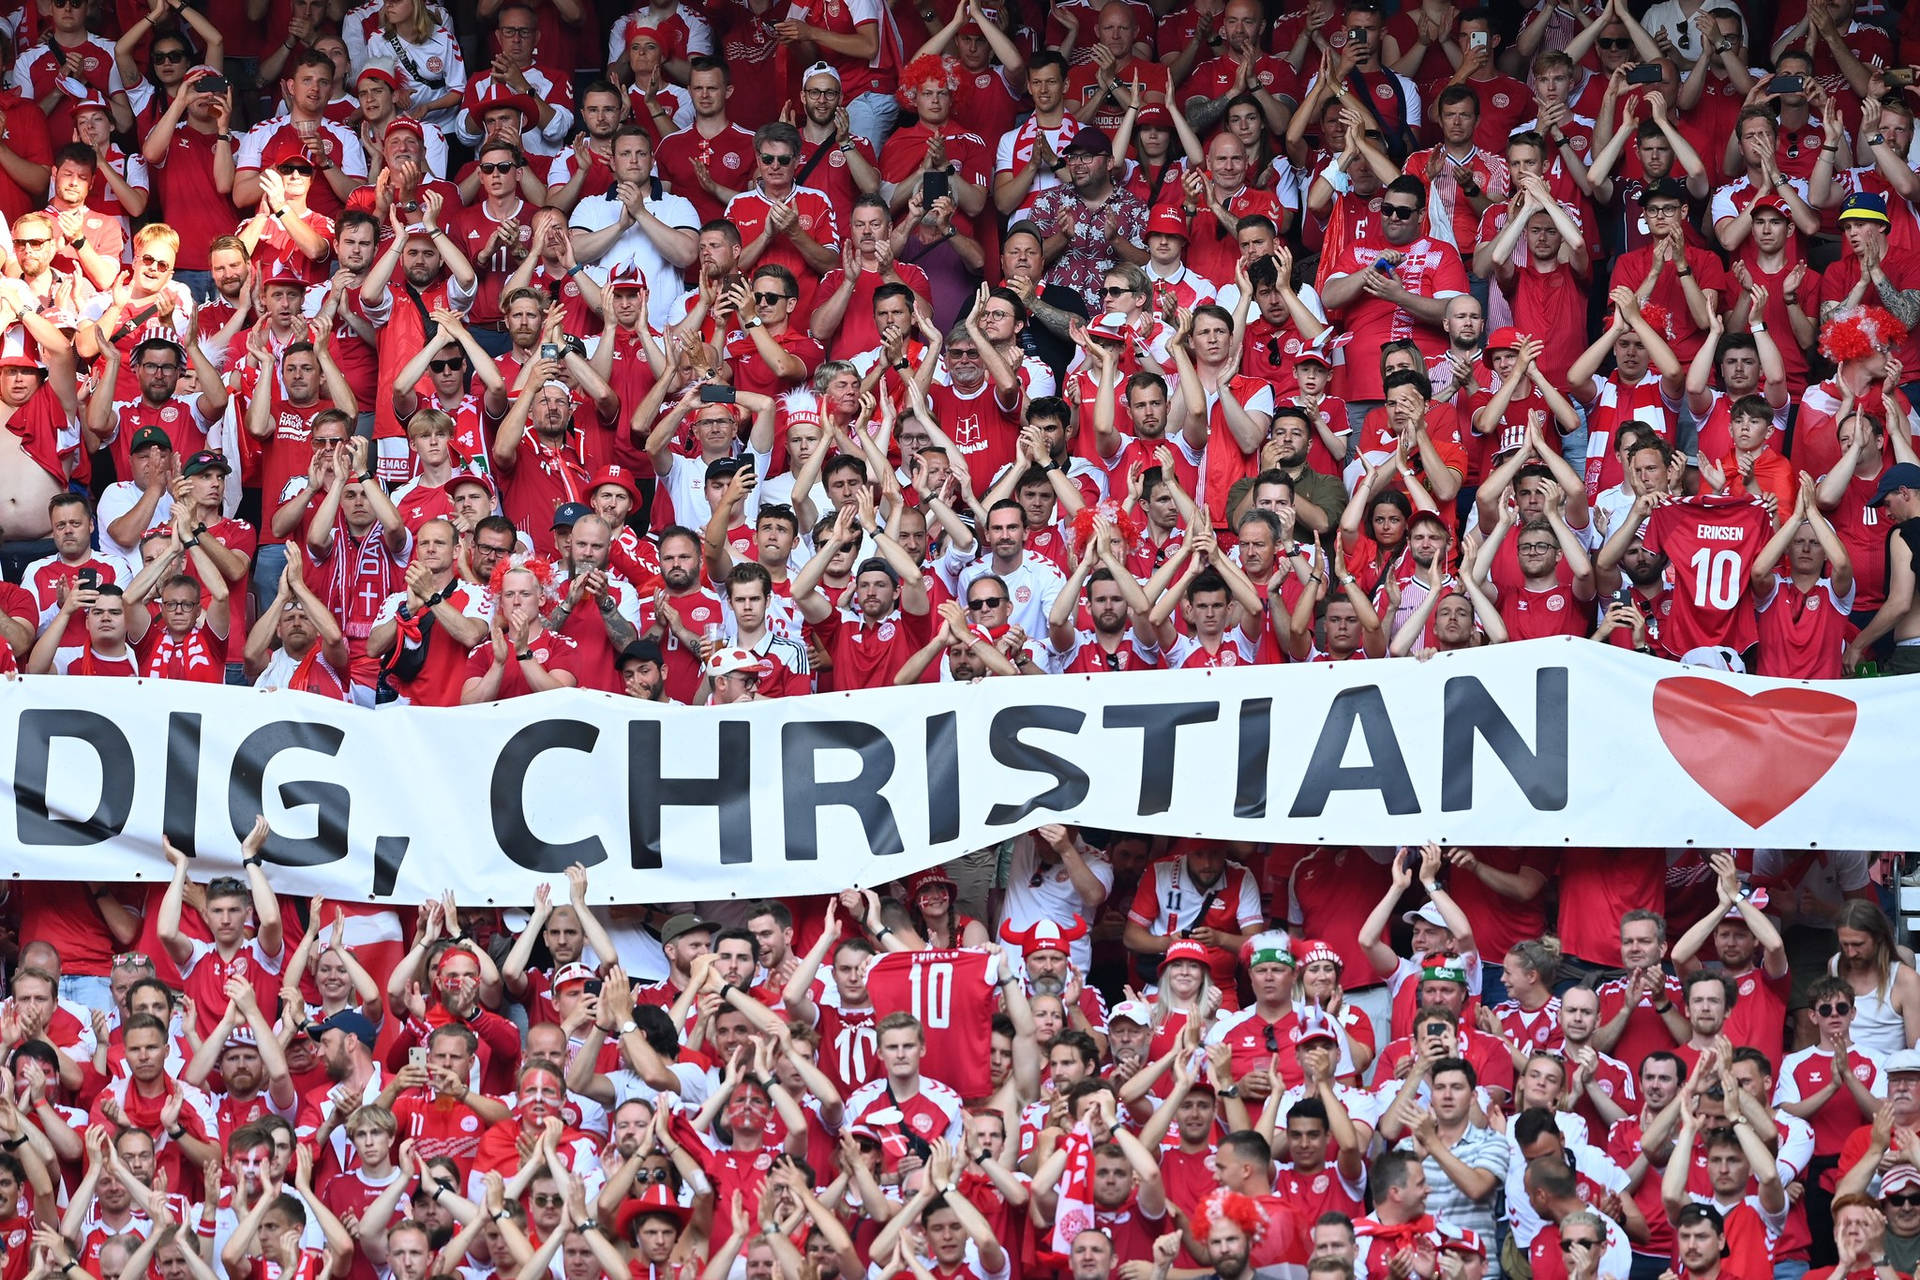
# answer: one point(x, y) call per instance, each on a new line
point(1754, 753)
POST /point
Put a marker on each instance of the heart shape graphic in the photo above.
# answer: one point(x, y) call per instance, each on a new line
point(1754, 753)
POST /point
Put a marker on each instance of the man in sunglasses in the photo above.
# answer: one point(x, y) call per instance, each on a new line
point(1394, 289)
point(782, 223)
point(1834, 1084)
point(188, 420)
point(283, 230)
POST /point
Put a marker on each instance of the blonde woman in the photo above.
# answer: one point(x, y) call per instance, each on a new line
point(432, 73)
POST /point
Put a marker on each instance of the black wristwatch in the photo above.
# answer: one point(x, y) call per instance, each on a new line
point(525, 655)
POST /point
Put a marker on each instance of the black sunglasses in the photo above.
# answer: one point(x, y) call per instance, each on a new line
point(771, 159)
point(1115, 291)
point(1905, 1202)
point(289, 167)
point(447, 366)
point(769, 299)
point(1566, 1244)
point(41, 243)
point(1614, 42)
point(168, 55)
point(497, 166)
point(1400, 212)
point(1839, 1010)
point(988, 602)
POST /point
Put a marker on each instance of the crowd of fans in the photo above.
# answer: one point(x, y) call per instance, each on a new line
point(1084, 1054)
point(412, 354)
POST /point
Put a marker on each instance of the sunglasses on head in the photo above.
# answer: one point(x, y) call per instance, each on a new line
point(497, 166)
point(1839, 1009)
point(447, 366)
point(1400, 212)
point(769, 299)
point(985, 602)
point(765, 158)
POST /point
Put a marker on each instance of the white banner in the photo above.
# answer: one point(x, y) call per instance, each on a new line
point(1551, 742)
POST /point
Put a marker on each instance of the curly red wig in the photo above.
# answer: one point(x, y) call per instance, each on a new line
point(1123, 524)
point(1236, 1208)
point(1855, 333)
point(1658, 319)
point(940, 68)
point(535, 565)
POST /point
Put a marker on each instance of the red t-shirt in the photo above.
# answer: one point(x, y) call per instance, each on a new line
point(1710, 544)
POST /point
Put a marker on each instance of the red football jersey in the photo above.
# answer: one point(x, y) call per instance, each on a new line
point(1710, 544)
point(954, 996)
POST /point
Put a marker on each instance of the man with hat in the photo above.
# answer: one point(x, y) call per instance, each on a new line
point(515, 70)
point(243, 1048)
point(380, 116)
point(122, 194)
point(1169, 275)
point(346, 1041)
point(435, 276)
point(283, 229)
point(39, 402)
point(730, 675)
point(1687, 281)
point(1441, 930)
point(1088, 224)
point(1879, 1151)
point(615, 494)
point(189, 421)
point(1269, 1028)
point(128, 508)
point(403, 157)
point(1875, 272)
point(306, 87)
point(643, 671)
point(1898, 499)
point(1751, 953)
point(684, 938)
point(848, 165)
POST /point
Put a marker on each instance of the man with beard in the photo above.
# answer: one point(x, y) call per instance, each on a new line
point(312, 655)
point(436, 622)
point(1121, 638)
point(1751, 954)
point(1231, 1223)
point(600, 611)
point(435, 275)
point(553, 471)
point(346, 1043)
point(850, 168)
point(188, 420)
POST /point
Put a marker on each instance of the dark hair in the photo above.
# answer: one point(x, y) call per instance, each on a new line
point(1307, 1109)
point(1458, 93)
point(781, 913)
point(1081, 1043)
point(891, 289)
point(1534, 1124)
point(657, 1027)
point(679, 531)
point(1553, 1176)
point(741, 935)
point(707, 62)
point(1415, 378)
point(1047, 58)
point(721, 226)
point(743, 573)
point(843, 462)
point(1249, 1146)
point(1392, 1170)
point(1408, 185)
point(1452, 1065)
point(1050, 409)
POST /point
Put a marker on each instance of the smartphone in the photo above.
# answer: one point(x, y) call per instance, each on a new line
point(88, 579)
point(715, 393)
point(933, 184)
point(1775, 87)
point(1477, 39)
point(1358, 34)
point(549, 351)
point(1898, 77)
point(1647, 73)
point(591, 986)
point(210, 84)
point(417, 1056)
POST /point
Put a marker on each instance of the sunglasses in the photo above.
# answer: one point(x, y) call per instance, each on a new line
point(1565, 1244)
point(549, 1201)
point(156, 264)
point(1115, 291)
point(1400, 212)
point(288, 168)
point(1905, 1202)
point(1272, 1038)
point(773, 159)
point(1614, 42)
point(69, 4)
point(1840, 1010)
point(770, 299)
point(989, 602)
point(168, 55)
point(497, 166)
point(40, 243)
point(446, 366)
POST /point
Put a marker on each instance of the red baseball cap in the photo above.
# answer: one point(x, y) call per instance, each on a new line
point(617, 476)
point(1166, 220)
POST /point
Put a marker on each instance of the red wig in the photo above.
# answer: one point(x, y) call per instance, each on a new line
point(535, 565)
point(1123, 524)
point(1855, 333)
point(1237, 1209)
point(942, 69)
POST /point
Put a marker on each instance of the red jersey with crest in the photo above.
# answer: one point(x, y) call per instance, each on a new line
point(953, 995)
point(1710, 544)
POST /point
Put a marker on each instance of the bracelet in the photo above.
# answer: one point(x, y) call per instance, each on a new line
point(278, 213)
point(178, 1132)
point(223, 137)
point(14, 1144)
point(1664, 1009)
point(572, 271)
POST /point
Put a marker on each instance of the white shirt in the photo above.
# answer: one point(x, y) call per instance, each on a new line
point(635, 249)
point(1031, 587)
point(1054, 898)
point(119, 498)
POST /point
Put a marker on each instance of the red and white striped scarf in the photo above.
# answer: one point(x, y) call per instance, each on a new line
point(177, 659)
